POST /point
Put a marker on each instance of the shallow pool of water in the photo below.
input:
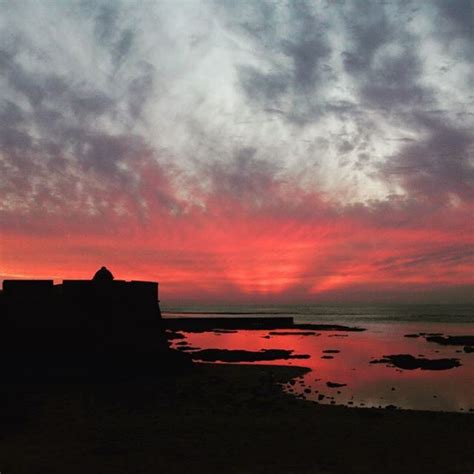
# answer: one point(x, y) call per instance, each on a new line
point(345, 375)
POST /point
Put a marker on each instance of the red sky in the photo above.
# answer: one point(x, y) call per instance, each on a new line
point(229, 252)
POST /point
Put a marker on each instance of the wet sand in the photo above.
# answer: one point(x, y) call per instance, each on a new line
point(218, 418)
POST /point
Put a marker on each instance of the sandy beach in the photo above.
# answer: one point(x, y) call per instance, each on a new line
point(218, 418)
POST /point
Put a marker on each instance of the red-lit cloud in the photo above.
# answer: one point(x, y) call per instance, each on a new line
point(223, 250)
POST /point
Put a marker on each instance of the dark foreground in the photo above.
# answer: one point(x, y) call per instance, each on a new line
point(217, 418)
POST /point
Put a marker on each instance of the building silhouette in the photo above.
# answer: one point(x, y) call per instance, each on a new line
point(92, 321)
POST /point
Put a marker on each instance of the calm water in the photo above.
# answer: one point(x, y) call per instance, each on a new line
point(365, 384)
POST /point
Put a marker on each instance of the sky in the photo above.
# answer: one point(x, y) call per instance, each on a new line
point(245, 151)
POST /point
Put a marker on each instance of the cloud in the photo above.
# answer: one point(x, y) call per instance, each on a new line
point(439, 166)
point(456, 19)
point(293, 51)
point(260, 148)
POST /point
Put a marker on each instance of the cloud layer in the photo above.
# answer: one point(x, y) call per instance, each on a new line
point(305, 150)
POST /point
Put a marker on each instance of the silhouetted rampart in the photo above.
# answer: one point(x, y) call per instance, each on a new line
point(75, 303)
point(81, 320)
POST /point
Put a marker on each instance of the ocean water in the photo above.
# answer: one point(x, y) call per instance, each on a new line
point(336, 313)
point(349, 364)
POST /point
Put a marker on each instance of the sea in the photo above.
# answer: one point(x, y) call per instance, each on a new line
point(357, 369)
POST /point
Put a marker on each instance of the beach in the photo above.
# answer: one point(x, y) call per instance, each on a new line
point(218, 418)
point(250, 394)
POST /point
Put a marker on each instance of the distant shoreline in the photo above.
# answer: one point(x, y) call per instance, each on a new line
point(231, 313)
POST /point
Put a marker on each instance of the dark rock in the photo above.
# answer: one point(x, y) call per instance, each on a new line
point(331, 351)
point(468, 349)
point(293, 333)
point(328, 327)
point(335, 384)
point(225, 355)
point(206, 324)
point(327, 357)
point(409, 362)
point(452, 340)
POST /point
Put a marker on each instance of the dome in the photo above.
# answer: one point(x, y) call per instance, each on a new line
point(103, 274)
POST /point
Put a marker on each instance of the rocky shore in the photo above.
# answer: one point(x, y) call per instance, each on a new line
point(217, 418)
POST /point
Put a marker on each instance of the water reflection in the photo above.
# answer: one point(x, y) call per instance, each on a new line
point(344, 359)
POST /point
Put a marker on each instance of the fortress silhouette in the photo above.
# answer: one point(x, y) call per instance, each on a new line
point(82, 323)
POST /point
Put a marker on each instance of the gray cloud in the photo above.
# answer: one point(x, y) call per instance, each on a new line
point(292, 43)
point(106, 18)
point(382, 55)
point(439, 166)
point(459, 16)
point(249, 100)
point(65, 141)
point(247, 179)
